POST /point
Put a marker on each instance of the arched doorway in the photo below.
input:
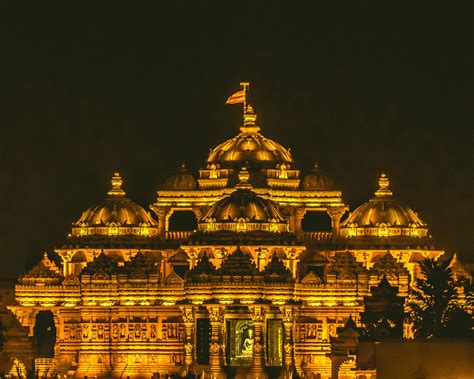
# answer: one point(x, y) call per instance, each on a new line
point(316, 221)
point(44, 333)
point(182, 221)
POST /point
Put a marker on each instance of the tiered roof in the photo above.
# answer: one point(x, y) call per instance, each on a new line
point(44, 273)
point(276, 271)
point(103, 264)
point(238, 264)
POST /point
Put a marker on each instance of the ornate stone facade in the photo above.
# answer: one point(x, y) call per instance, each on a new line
point(248, 285)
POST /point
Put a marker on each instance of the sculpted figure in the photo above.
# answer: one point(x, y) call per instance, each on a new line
point(257, 348)
point(153, 331)
point(215, 348)
point(85, 331)
point(188, 347)
point(100, 333)
point(247, 346)
point(115, 331)
point(72, 332)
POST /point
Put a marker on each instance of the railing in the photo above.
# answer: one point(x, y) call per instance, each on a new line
point(318, 236)
point(178, 235)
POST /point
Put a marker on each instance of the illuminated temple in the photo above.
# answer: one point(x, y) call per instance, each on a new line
point(273, 271)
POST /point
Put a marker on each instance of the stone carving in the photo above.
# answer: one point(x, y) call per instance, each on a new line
point(215, 348)
point(171, 331)
point(188, 348)
point(215, 315)
point(308, 331)
point(188, 316)
point(287, 315)
point(85, 331)
point(153, 331)
point(258, 314)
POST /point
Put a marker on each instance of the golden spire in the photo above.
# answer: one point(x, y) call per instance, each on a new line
point(383, 186)
point(116, 186)
point(250, 117)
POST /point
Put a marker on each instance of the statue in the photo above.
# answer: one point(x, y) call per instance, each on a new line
point(247, 346)
point(188, 347)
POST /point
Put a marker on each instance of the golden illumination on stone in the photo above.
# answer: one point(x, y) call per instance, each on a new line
point(136, 298)
point(384, 216)
point(116, 215)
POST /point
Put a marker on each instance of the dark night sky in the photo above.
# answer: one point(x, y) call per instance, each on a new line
point(359, 88)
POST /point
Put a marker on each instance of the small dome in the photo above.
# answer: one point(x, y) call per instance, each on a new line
point(317, 180)
point(243, 210)
point(250, 148)
point(383, 216)
point(116, 215)
point(182, 181)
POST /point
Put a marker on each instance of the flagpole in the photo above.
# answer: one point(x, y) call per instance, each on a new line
point(245, 86)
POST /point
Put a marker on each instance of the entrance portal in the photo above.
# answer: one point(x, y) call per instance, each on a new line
point(45, 333)
point(203, 334)
point(240, 338)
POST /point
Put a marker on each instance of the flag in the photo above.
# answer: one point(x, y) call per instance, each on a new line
point(236, 98)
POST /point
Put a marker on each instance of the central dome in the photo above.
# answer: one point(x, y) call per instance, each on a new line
point(250, 148)
point(243, 211)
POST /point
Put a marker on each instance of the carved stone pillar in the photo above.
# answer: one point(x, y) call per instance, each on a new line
point(188, 319)
point(293, 257)
point(288, 346)
point(216, 319)
point(162, 214)
point(335, 215)
point(299, 215)
point(258, 320)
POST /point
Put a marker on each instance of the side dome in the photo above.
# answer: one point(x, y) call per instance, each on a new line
point(384, 216)
point(116, 215)
point(243, 211)
point(318, 180)
point(181, 181)
point(249, 148)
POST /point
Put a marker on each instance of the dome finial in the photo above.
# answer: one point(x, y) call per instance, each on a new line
point(244, 176)
point(116, 186)
point(383, 186)
point(250, 118)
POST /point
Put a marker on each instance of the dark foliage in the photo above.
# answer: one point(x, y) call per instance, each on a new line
point(437, 309)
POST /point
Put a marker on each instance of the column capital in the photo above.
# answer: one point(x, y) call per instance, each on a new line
point(336, 212)
point(288, 314)
point(188, 313)
point(258, 313)
point(216, 313)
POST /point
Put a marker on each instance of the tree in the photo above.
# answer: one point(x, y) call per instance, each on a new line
point(435, 308)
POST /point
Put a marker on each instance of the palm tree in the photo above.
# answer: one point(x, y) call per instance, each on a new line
point(435, 309)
